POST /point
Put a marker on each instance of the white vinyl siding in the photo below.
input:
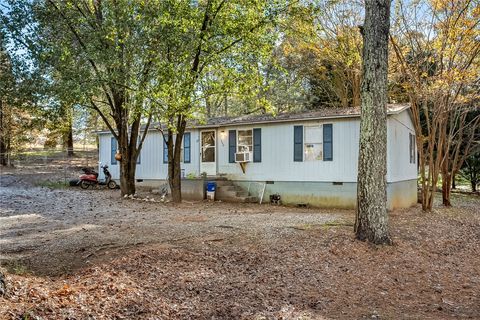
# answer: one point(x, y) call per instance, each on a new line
point(278, 154)
point(399, 165)
point(152, 166)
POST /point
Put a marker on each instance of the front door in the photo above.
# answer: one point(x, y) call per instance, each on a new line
point(208, 162)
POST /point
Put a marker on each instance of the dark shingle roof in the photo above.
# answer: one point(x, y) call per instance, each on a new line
point(323, 113)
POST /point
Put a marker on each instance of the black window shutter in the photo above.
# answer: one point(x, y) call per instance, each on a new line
point(140, 153)
point(414, 149)
point(410, 145)
point(186, 147)
point(165, 150)
point(113, 150)
point(232, 145)
point(298, 143)
point(257, 145)
point(327, 142)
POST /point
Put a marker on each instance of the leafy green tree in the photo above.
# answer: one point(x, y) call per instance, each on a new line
point(133, 60)
point(98, 54)
point(209, 47)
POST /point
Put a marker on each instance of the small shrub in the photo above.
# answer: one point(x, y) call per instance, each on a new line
point(191, 175)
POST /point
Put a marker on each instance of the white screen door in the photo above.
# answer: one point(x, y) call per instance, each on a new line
point(208, 162)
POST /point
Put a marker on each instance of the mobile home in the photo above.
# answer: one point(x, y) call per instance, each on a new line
point(306, 158)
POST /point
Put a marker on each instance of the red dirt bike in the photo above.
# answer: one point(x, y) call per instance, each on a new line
point(90, 178)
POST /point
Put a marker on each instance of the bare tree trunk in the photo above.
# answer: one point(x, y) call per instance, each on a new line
point(127, 164)
point(127, 176)
point(128, 147)
point(174, 155)
point(446, 183)
point(372, 219)
point(69, 139)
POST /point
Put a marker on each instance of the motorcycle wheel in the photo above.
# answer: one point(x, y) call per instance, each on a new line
point(111, 184)
point(84, 184)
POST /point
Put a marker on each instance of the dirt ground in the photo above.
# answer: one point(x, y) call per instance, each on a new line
point(89, 254)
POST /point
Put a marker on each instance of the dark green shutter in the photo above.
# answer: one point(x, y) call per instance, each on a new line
point(298, 143)
point(113, 150)
point(327, 142)
point(232, 145)
point(257, 145)
point(410, 146)
point(165, 150)
point(140, 153)
point(186, 147)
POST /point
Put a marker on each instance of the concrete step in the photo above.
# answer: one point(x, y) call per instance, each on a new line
point(228, 192)
point(224, 183)
point(242, 193)
point(229, 188)
point(222, 193)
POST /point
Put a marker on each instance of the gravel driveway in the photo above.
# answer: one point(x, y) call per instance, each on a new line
point(50, 231)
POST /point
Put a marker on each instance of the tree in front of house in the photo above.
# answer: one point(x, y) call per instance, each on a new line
point(371, 222)
point(99, 55)
point(207, 48)
point(131, 60)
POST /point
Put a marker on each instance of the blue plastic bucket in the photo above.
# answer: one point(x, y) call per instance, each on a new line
point(211, 186)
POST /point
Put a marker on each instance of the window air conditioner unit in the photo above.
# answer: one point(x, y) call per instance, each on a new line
point(243, 157)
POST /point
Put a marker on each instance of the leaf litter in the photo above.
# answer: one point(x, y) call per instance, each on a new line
point(156, 261)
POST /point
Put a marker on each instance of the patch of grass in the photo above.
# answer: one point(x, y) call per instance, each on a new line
point(336, 223)
point(16, 268)
point(52, 184)
point(326, 225)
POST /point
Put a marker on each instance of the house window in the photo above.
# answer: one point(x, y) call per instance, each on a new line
point(412, 147)
point(208, 146)
point(313, 143)
point(244, 141)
